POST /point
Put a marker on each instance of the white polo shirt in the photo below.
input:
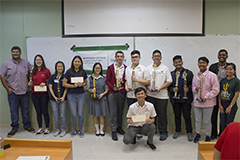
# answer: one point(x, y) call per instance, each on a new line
point(135, 110)
point(140, 73)
point(162, 75)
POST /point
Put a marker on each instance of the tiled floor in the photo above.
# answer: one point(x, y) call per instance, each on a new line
point(91, 147)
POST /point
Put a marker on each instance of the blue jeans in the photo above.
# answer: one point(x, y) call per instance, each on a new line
point(16, 101)
point(76, 103)
point(59, 107)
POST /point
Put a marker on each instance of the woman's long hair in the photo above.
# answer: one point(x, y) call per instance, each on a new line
point(80, 67)
point(43, 66)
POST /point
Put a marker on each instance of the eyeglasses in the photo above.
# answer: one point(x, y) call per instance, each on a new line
point(135, 57)
point(156, 56)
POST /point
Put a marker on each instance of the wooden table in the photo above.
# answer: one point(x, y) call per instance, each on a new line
point(56, 149)
point(205, 150)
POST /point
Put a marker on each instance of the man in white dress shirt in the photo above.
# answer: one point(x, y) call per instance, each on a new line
point(157, 92)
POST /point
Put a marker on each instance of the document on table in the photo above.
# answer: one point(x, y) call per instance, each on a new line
point(139, 118)
point(76, 79)
point(33, 158)
point(40, 89)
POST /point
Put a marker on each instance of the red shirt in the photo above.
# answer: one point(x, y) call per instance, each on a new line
point(229, 142)
point(40, 77)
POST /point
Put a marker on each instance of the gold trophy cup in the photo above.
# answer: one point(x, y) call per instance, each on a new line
point(199, 85)
point(118, 83)
point(185, 84)
point(133, 74)
point(176, 96)
point(94, 95)
point(154, 79)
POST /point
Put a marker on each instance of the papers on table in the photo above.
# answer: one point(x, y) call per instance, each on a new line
point(40, 89)
point(139, 118)
point(76, 79)
point(33, 158)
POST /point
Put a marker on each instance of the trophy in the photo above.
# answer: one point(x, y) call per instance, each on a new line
point(185, 84)
point(199, 85)
point(153, 79)
point(176, 96)
point(118, 83)
point(58, 85)
point(94, 95)
point(30, 77)
point(133, 74)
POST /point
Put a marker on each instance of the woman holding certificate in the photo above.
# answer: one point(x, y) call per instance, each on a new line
point(38, 81)
point(98, 106)
point(58, 98)
point(75, 80)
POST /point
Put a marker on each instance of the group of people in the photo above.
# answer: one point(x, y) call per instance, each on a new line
point(145, 88)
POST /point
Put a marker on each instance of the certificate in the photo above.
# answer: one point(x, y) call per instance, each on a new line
point(76, 79)
point(40, 89)
point(139, 118)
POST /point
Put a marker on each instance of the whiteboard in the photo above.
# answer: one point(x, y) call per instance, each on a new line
point(191, 48)
point(132, 17)
point(55, 49)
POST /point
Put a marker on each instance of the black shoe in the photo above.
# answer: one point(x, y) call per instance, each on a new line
point(163, 137)
point(207, 139)
point(30, 129)
point(102, 134)
point(114, 136)
point(213, 137)
point(120, 131)
point(97, 134)
point(134, 141)
point(152, 146)
point(11, 133)
point(197, 138)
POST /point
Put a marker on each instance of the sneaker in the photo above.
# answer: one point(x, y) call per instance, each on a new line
point(30, 129)
point(46, 132)
point(134, 141)
point(63, 133)
point(139, 136)
point(120, 131)
point(74, 133)
point(39, 132)
point(189, 136)
point(56, 133)
point(11, 133)
point(81, 134)
point(207, 139)
point(176, 135)
point(197, 138)
point(152, 146)
point(163, 137)
point(114, 136)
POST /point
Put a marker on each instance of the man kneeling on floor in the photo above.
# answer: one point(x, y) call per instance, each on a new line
point(140, 119)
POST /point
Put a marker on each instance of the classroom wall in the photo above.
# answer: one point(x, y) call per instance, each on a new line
point(20, 19)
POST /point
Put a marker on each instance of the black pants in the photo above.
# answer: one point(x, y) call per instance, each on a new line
point(225, 119)
point(184, 108)
point(214, 119)
point(40, 101)
point(116, 103)
point(160, 106)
